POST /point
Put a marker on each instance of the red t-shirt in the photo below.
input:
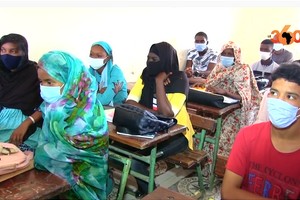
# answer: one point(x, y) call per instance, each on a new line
point(265, 171)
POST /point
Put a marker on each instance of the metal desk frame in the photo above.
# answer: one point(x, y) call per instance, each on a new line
point(141, 144)
point(217, 114)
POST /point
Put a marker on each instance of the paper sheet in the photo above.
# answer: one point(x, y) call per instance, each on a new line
point(109, 114)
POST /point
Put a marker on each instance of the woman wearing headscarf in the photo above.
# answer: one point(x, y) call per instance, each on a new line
point(111, 81)
point(163, 89)
point(234, 79)
point(74, 142)
point(19, 94)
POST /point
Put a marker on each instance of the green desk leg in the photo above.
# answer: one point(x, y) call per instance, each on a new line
point(152, 169)
point(215, 152)
point(150, 159)
point(215, 141)
point(126, 168)
point(201, 137)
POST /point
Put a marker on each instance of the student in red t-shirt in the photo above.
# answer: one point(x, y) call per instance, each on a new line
point(265, 158)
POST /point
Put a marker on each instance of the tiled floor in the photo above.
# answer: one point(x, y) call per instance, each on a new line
point(174, 178)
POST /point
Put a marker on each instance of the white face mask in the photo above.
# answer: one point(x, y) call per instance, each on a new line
point(277, 46)
point(96, 63)
point(51, 94)
point(265, 55)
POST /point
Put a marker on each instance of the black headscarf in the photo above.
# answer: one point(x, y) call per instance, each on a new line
point(19, 89)
point(168, 63)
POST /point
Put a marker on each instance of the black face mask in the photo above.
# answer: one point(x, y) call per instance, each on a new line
point(11, 62)
point(154, 68)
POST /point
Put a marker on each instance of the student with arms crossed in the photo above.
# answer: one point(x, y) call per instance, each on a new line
point(264, 161)
point(112, 85)
point(200, 60)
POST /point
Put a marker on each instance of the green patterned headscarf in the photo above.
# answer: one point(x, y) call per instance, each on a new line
point(74, 143)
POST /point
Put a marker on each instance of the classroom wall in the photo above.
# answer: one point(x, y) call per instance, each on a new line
point(131, 30)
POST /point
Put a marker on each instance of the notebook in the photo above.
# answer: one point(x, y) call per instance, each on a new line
point(150, 136)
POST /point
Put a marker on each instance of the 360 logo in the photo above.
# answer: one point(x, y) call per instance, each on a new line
point(285, 37)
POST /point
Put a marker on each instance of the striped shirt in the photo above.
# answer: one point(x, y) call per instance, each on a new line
point(200, 63)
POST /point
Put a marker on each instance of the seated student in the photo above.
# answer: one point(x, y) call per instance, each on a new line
point(281, 55)
point(74, 142)
point(265, 66)
point(234, 79)
point(19, 94)
point(111, 81)
point(200, 60)
point(163, 89)
point(264, 161)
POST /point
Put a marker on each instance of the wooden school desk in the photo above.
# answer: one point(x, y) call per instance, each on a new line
point(217, 114)
point(33, 184)
point(141, 144)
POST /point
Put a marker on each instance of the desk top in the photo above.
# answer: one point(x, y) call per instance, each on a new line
point(143, 143)
point(213, 110)
point(33, 184)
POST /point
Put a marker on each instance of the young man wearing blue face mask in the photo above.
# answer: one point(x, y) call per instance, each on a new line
point(112, 84)
point(264, 161)
point(265, 66)
point(200, 60)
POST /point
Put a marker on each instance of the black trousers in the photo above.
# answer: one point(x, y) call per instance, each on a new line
point(170, 147)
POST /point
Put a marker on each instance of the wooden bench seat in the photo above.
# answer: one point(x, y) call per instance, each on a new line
point(195, 158)
point(188, 158)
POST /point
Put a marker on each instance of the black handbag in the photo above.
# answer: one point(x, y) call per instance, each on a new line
point(207, 98)
point(133, 120)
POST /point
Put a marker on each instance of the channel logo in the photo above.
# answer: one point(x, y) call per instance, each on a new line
point(285, 36)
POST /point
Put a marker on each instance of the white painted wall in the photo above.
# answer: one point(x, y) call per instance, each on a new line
point(131, 30)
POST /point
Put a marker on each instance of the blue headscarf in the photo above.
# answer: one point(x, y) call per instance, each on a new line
point(105, 76)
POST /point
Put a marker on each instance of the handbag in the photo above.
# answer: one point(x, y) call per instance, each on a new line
point(133, 120)
point(208, 98)
point(12, 159)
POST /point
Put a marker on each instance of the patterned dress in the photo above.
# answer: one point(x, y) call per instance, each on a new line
point(74, 142)
point(238, 79)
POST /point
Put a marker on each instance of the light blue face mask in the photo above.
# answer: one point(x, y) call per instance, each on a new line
point(51, 94)
point(281, 113)
point(227, 61)
point(200, 46)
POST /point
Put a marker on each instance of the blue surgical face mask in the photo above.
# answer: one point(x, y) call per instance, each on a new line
point(10, 61)
point(96, 63)
point(51, 94)
point(227, 61)
point(200, 46)
point(281, 113)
